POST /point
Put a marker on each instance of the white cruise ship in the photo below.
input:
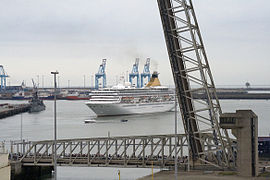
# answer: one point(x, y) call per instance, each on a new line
point(125, 100)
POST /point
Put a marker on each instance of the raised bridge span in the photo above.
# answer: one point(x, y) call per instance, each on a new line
point(124, 151)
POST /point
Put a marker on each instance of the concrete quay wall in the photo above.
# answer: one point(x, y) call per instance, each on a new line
point(4, 167)
point(18, 171)
point(7, 110)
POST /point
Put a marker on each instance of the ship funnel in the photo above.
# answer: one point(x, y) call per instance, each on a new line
point(154, 81)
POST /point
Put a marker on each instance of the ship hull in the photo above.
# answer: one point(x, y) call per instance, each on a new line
point(37, 108)
point(20, 98)
point(114, 109)
point(76, 98)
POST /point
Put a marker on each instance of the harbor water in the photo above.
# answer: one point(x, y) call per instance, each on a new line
point(70, 124)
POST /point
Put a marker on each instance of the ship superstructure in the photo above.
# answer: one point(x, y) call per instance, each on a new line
point(124, 99)
point(36, 104)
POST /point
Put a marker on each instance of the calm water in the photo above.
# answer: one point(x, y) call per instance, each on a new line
point(71, 116)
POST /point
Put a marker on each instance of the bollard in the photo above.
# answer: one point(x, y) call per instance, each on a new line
point(119, 174)
point(152, 171)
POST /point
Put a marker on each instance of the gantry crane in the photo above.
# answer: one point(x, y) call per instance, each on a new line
point(3, 76)
point(101, 74)
point(135, 73)
point(146, 72)
point(192, 74)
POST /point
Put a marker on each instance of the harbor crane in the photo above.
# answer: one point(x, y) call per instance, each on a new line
point(101, 74)
point(135, 73)
point(192, 74)
point(3, 76)
point(146, 72)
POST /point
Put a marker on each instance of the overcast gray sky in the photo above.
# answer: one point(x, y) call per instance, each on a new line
point(73, 36)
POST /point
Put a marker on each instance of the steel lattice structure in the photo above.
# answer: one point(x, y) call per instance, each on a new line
point(192, 74)
point(123, 151)
point(146, 72)
point(101, 74)
point(3, 76)
point(135, 73)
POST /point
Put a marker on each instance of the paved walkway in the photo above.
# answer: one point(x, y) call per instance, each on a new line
point(169, 175)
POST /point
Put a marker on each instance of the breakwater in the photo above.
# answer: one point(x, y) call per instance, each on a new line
point(7, 110)
point(233, 95)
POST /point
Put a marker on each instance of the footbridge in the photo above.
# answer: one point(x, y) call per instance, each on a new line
point(124, 151)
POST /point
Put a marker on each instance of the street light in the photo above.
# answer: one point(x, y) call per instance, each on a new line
point(21, 132)
point(43, 81)
point(175, 131)
point(37, 81)
point(92, 81)
point(58, 81)
point(55, 158)
point(21, 127)
point(84, 81)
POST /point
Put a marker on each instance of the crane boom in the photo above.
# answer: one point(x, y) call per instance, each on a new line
point(146, 72)
point(101, 74)
point(135, 73)
point(192, 74)
point(3, 76)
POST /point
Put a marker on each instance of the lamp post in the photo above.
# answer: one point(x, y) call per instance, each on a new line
point(92, 81)
point(42, 81)
point(175, 131)
point(55, 158)
point(84, 81)
point(21, 127)
point(37, 81)
point(58, 81)
point(21, 132)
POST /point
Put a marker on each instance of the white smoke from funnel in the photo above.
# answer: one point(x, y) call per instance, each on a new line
point(153, 65)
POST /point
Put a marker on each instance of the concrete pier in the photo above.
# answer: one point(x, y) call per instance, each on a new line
point(18, 171)
point(199, 175)
point(244, 125)
point(236, 95)
point(7, 110)
point(4, 167)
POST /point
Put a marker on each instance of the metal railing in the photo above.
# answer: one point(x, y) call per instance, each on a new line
point(135, 151)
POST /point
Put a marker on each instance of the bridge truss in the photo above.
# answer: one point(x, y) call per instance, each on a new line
point(192, 74)
point(132, 151)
